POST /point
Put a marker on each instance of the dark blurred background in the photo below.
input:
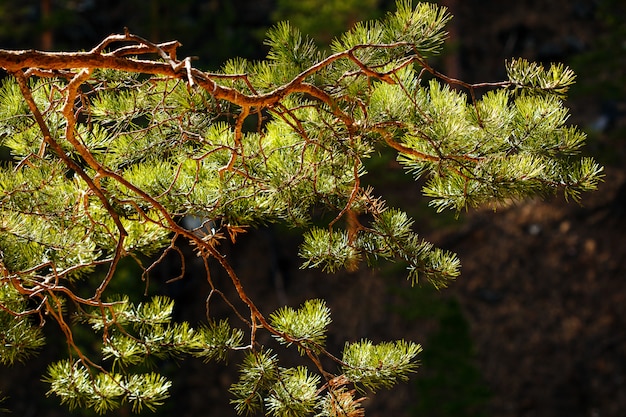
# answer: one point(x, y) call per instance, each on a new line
point(534, 327)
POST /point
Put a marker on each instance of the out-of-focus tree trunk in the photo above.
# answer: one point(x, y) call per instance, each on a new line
point(46, 35)
point(154, 21)
point(451, 60)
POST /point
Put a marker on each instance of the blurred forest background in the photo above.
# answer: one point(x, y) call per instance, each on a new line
point(536, 324)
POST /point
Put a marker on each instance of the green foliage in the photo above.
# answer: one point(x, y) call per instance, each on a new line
point(379, 366)
point(306, 326)
point(390, 237)
point(19, 338)
point(258, 372)
point(330, 250)
point(294, 394)
point(136, 333)
point(506, 146)
point(131, 336)
point(106, 160)
point(420, 27)
point(534, 79)
point(289, 49)
point(78, 387)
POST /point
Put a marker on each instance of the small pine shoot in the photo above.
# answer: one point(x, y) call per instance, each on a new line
point(375, 366)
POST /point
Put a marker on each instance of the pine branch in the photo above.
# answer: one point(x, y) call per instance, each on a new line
point(112, 147)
